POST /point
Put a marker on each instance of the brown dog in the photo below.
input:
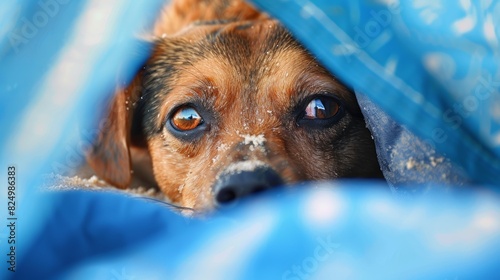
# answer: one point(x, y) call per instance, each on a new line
point(230, 104)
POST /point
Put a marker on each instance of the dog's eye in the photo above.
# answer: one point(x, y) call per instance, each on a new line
point(319, 112)
point(186, 118)
point(321, 108)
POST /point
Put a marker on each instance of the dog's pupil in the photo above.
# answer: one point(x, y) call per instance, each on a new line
point(186, 118)
point(321, 108)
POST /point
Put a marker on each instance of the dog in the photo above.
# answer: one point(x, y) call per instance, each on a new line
point(230, 104)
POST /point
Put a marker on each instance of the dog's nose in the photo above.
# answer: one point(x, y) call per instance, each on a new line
point(234, 185)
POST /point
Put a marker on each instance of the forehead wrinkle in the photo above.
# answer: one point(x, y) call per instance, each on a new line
point(187, 89)
point(298, 76)
point(284, 72)
point(220, 74)
point(248, 49)
point(232, 46)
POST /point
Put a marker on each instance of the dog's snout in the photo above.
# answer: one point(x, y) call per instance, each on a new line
point(232, 186)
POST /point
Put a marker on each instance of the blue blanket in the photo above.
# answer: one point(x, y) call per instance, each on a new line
point(427, 76)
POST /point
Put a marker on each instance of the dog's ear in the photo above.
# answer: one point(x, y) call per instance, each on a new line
point(110, 152)
point(181, 13)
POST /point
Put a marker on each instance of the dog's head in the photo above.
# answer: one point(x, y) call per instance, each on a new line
point(227, 109)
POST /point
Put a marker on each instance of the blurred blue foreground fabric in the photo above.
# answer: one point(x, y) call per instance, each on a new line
point(427, 77)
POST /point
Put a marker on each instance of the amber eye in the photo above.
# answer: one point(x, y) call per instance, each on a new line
point(186, 118)
point(321, 108)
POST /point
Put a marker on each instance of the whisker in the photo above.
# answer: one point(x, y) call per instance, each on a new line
point(177, 207)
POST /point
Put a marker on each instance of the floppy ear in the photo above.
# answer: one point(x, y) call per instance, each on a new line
point(110, 153)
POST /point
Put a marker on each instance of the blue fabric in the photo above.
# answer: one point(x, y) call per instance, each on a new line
point(409, 165)
point(86, 230)
point(351, 230)
point(433, 68)
point(59, 63)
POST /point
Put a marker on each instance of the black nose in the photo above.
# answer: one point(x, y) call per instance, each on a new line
point(235, 185)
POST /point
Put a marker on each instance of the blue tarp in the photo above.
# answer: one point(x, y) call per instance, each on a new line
point(427, 75)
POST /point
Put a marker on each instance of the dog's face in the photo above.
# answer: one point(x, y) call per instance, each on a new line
point(231, 109)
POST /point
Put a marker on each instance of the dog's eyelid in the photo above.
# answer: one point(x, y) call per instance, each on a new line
point(305, 99)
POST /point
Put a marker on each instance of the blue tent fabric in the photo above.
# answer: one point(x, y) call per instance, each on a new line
point(430, 72)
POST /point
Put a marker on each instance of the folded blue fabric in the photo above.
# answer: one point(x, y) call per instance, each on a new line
point(408, 164)
point(347, 230)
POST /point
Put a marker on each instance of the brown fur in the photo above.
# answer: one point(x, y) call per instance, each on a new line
point(248, 75)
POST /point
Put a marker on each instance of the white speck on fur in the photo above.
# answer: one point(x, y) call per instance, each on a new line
point(222, 147)
point(216, 158)
point(254, 140)
point(247, 165)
